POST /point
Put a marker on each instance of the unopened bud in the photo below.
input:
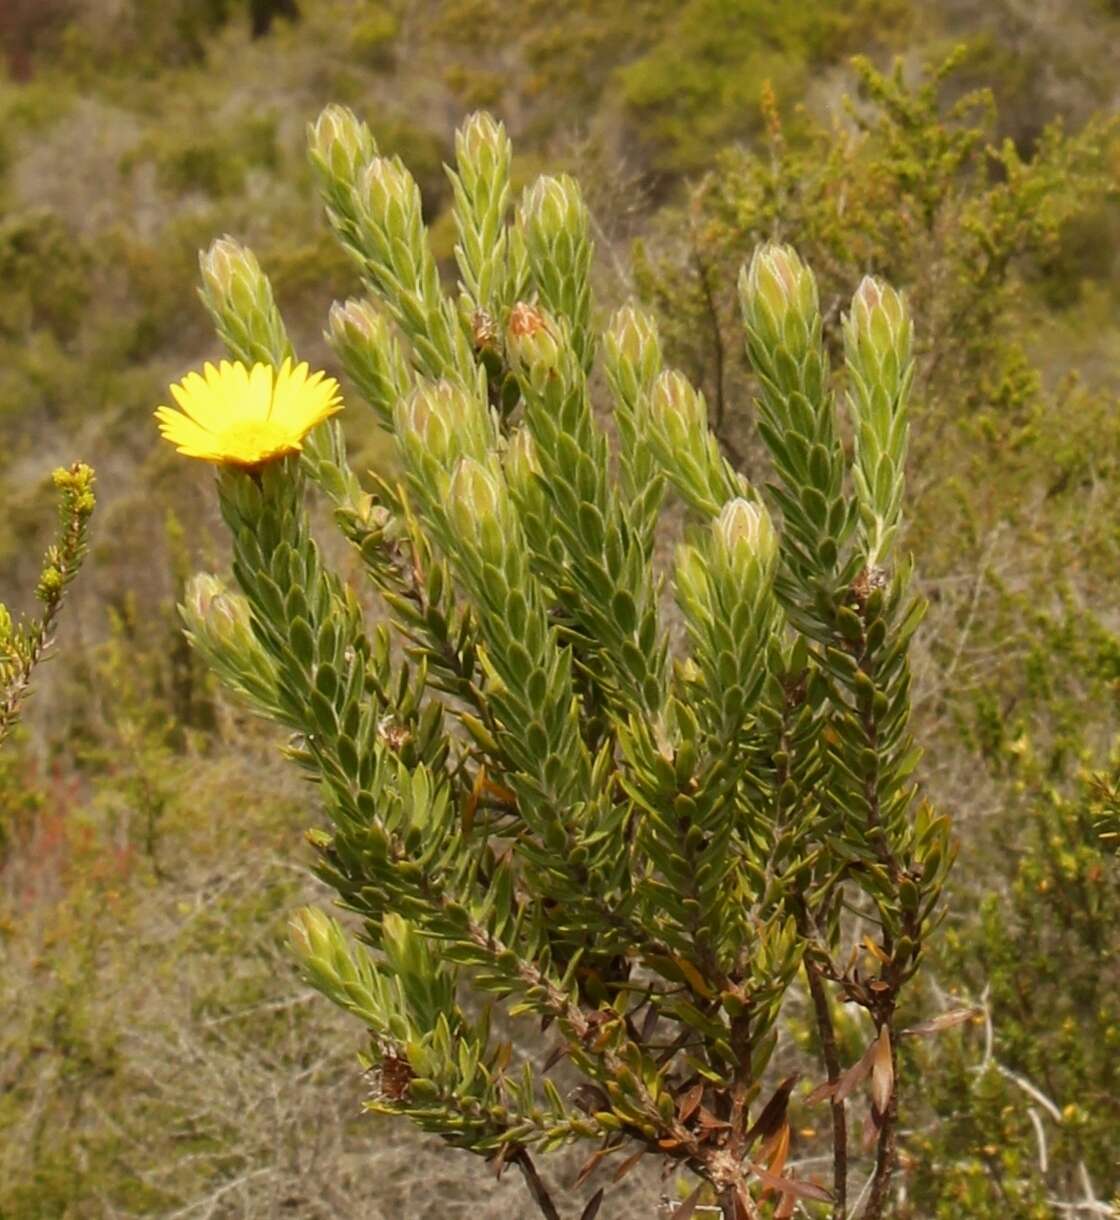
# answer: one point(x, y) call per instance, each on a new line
point(355, 325)
point(553, 207)
point(232, 277)
point(239, 298)
point(340, 144)
point(521, 461)
point(741, 526)
point(432, 416)
point(217, 618)
point(310, 935)
point(878, 335)
point(533, 342)
point(475, 498)
point(482, 146)
point(632, 351)
point(678, 410)
point(389, 194)
point(776, 290)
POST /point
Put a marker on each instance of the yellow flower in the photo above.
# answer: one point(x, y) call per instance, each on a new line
point(244, 417)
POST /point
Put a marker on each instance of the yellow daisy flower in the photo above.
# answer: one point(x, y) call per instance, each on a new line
point(244, 417)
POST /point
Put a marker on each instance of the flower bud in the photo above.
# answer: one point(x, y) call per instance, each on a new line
point(365, 342)
point(310, 935)
point(218, 619)
point(340, 144)
point(777, 290)
point(430, 417)
point(878, 335)
point(552, 208)
point(475, 498)
point(239, 298)
point(355, 326)
point(533, 342)
point(232, 278)
point(678, 410)
point(389, 193)
point(741, 526)
point(482, 147)
point(632, 351)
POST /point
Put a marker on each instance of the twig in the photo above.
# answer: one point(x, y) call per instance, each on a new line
point(839, 1114)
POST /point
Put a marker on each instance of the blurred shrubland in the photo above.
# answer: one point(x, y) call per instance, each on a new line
point(157, 1054)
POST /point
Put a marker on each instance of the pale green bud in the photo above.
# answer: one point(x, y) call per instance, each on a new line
point(216, 617)
point(355, 326)
point(389, 194)
point(745, 527)
point(878, 335)
point(239, 297)
point(777, 290)
point(632, 336)
point(232, 277)
point(365, 342)
point(5, 628)
point(677, 409)
point(445, 422)
point(632, 351)
point(311, 935)
point(340, 144)
point(483, 145)
point(431, 416)
point(553, 207)
point(475, 498)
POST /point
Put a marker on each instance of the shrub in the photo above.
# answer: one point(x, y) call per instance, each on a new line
point(543, 803)
point(24, 644)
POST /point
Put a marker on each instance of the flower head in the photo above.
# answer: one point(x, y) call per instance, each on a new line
point(244, 417)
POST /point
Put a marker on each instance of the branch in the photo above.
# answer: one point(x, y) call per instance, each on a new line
point(839, 1113)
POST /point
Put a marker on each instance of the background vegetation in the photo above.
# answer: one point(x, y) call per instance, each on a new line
point(158, 1055)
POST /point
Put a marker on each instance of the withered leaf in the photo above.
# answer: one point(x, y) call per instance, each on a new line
point(588, 1167)
point(689, 1102)
point(593, 1205)
point(709, 1121)
point(847, 1082)
point(627, 1165)
point(773, 1115)
point(790, 1186)
point(882, 1071)
point(688, 1206)
point(946, 1020)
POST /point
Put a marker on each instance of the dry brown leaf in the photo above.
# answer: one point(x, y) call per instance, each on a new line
point(847, 1082)
point(627, 1165)
point(690, 1101)
point(882, 1071)
point(946, 1020)
point(589, 1167)
point(789, 1186)
point(684, 1212)
point(593, 1205)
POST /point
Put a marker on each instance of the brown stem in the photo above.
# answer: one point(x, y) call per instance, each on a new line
point(887, 1154)
point(839, 1114)
point(537, 1188)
